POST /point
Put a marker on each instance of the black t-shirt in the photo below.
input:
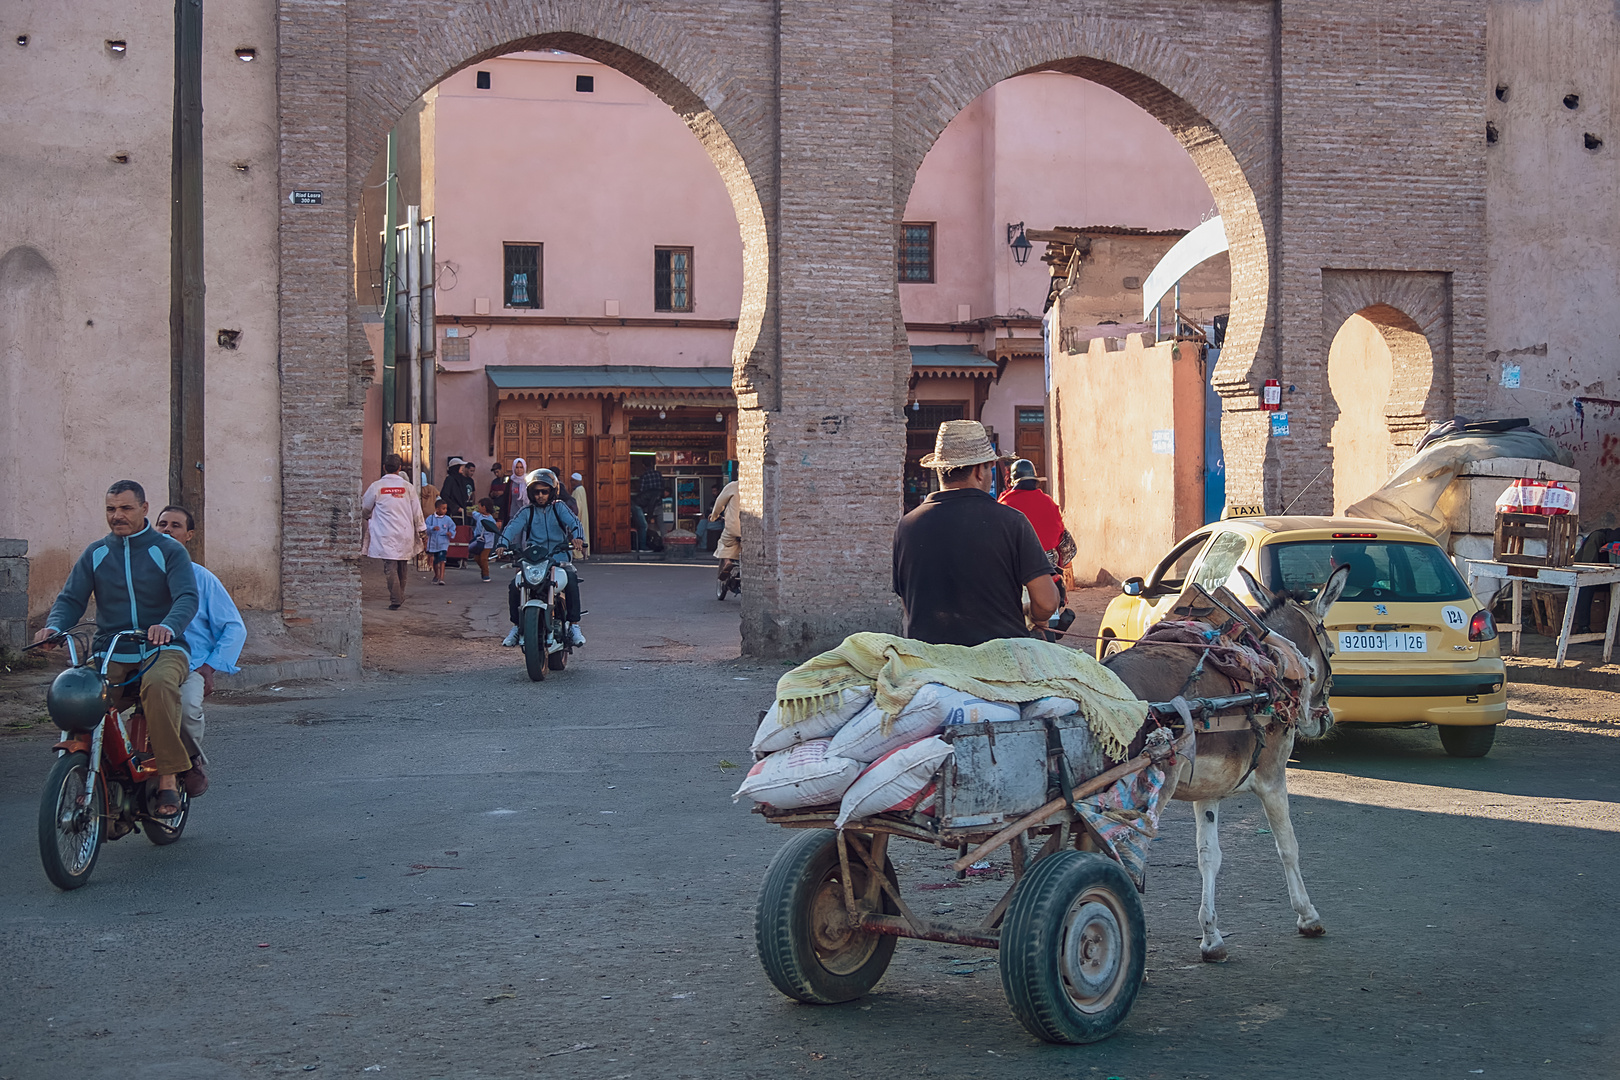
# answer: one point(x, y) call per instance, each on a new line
point(960, 563)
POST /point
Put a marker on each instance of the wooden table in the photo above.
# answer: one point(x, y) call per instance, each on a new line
point(1572, 577)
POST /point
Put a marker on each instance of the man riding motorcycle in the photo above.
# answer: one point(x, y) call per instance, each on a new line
point(141, 580)
point(550, 525)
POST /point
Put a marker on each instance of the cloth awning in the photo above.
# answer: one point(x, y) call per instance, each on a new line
point(641, 381)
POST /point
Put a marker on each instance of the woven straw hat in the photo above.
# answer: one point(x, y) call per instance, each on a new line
point(961, 443)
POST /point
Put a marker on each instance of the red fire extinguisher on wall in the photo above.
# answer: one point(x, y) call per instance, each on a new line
point(1271, 396)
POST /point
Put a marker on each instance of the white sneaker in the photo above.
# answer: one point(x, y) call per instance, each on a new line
point(513, 636)
point(576, 636)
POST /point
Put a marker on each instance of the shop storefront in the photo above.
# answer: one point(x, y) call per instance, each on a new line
point(948, 382)
point(608, 423)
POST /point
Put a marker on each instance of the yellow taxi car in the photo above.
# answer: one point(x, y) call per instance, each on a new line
point(1411, 643)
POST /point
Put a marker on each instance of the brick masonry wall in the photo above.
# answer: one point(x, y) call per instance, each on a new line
point(1334, 137)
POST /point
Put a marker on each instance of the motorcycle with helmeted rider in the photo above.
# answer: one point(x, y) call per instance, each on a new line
point(543, 597)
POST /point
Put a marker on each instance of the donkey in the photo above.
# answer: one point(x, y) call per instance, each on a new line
point(1221, 766)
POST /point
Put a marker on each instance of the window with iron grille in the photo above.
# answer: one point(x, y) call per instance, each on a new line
point(523, 262)
point(672, 279)
point(928, 415)
point(917, 252)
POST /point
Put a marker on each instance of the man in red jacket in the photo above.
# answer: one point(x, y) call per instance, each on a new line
point(1027, 498)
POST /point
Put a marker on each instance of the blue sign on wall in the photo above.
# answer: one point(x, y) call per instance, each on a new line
point(1279, 425)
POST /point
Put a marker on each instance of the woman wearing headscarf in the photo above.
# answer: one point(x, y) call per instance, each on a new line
point(517, 499)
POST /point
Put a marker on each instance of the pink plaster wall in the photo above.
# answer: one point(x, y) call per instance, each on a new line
point(599, 178)
point(1047, 150)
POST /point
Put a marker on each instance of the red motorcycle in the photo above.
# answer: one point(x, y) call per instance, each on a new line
point(103, 784)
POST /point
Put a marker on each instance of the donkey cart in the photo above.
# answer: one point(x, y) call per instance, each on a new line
point(1069, 931)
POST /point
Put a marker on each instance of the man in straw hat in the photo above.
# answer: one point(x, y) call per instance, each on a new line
point(961, 559)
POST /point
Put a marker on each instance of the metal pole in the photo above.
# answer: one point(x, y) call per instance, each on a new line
point(390, 225)
point(413, 285)
point(186, 437)
point(1178, 307)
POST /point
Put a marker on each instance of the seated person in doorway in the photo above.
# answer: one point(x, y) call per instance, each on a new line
point(141, 580)
point(545, 522)
point(961, 560)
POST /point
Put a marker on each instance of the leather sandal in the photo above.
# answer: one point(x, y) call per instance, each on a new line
point(165, 804)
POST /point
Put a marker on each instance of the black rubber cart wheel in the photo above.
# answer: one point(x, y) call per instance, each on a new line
point(806, 943)
point(1073, 947)
point(165, 831)
point(535, 631)
point(70, 825)
point(1467, 741)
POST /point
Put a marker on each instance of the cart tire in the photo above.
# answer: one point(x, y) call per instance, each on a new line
point(1467, 741)
point(807, 949)
point(535, 632)
point(1073, 948)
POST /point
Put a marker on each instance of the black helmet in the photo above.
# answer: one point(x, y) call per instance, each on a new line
point(78, 699)
point(1023, 469)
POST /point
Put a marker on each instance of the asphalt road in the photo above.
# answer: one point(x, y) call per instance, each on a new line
point(444, 870)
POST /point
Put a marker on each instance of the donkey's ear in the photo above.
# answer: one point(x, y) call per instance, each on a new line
point(1258, 591)
point(1330, 592)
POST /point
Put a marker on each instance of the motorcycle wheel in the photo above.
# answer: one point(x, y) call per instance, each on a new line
point(67, 848)
point(535, 631)
point(720, 593)
point(165, 831)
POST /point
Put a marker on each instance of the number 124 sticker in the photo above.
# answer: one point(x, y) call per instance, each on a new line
point(1455, 617)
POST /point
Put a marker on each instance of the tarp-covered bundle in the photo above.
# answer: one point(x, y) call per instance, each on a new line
point(1412, 494)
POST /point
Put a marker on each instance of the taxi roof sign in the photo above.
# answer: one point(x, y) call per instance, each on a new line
point(1237, 510)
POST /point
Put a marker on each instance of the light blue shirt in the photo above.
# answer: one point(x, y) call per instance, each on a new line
point(440, 529)
point(216, 635)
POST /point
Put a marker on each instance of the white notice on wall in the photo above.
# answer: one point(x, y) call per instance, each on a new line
point(1510, 376)
point(1164, 442)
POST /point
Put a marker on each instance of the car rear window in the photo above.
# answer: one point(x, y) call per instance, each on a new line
point(1378, 571)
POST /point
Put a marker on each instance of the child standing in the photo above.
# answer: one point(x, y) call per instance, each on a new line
point(485, 529)
point(440, 528)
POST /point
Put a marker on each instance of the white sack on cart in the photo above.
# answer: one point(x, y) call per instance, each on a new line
point(1050, 707)
point(772, 736)
point(864, 740)
point(902, 779)
point(804, 775)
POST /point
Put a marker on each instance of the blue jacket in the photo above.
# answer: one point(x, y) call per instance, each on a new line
point(215, 637)
point(138, 581)
point(553, 528)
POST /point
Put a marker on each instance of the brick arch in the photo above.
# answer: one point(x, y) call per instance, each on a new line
point(649, 50)
point(1209, 86)
point(1412, 312)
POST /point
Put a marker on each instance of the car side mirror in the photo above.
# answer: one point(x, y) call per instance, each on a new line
point(1132, 586)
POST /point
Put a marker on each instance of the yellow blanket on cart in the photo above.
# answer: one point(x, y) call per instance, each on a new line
point(1008, 669)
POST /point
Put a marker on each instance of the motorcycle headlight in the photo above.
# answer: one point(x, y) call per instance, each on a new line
point(534, 575)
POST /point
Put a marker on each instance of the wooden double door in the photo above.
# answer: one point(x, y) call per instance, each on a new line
point(564, 443)
point(561, 443)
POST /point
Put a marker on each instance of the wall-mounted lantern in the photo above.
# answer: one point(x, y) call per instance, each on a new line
point(1019, 243)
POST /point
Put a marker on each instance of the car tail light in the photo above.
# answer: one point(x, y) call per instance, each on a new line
point(1482, 627)
point(1355, 536)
